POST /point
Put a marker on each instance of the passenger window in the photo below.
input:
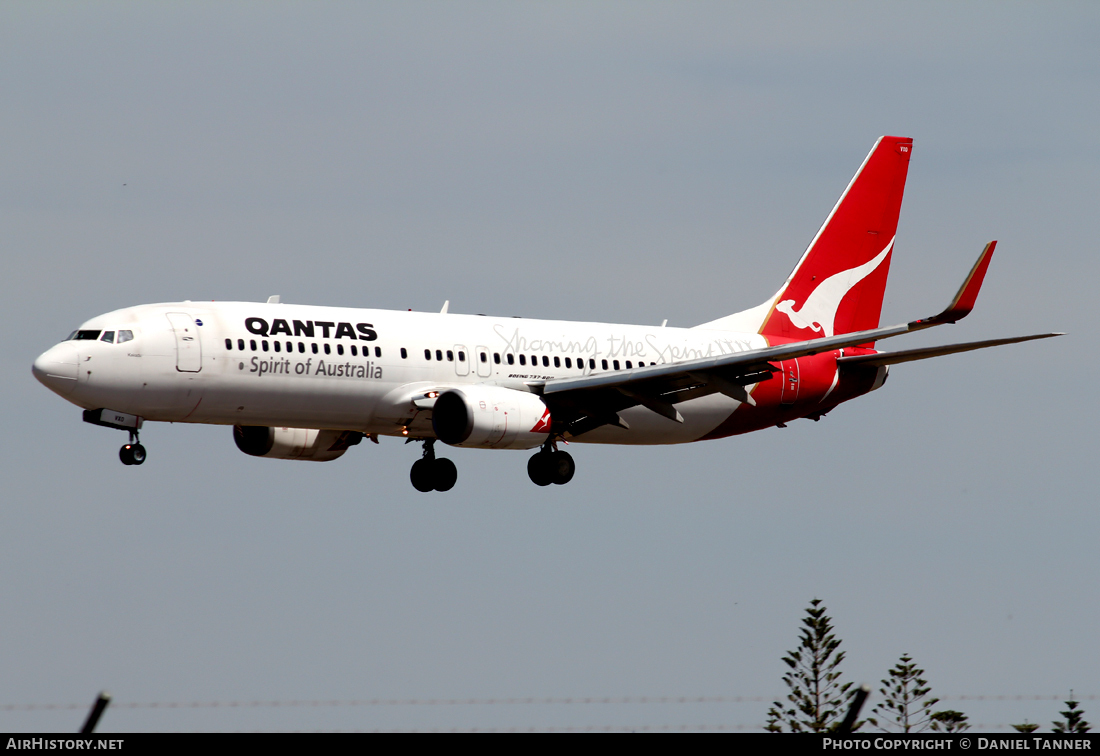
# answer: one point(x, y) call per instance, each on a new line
point(545, 361)
point(314, 347)
point(339, 349)
point(328, 349)
point(511, 359)
point(124, 336)
point(404, 354)
point(557, 362)
point(301, 348)
point(461, 356)
point(278, 347)
point(496, 358)
point(354, 351)
point(264, 344)
point(615, 363)
point(450, 356)
point(290, 346)
point(604, 364)
point(229, 344)
point(109, 337)
point(523, 359)
point(438, 355)
point(240, 342)
point(427, 354)
point(628, 365)
point(568, 362)
point(252, 343)
point(485, 357)
point(534, 360)
point(377, 351)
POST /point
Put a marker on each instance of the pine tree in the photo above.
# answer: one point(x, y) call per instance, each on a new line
point(905, 706)
point(949, 721)
point(1075, 721)
point(1026, 727)
point(817, 701)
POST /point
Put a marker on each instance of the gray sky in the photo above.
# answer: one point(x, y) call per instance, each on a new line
point(619, 162)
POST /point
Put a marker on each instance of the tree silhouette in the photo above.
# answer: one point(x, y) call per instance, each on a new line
point(1075, 721)
point(1025, 727)
point(817, 701)
point(949, 721)
point(905, 706)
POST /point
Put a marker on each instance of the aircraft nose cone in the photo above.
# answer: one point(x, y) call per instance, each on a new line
point(56, 368)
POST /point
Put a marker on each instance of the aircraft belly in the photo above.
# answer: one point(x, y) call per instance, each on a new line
point(240, 398)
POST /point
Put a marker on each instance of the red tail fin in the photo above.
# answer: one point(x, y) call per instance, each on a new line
point(838, 285)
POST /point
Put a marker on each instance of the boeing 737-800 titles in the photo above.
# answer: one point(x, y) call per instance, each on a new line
point(305, 382)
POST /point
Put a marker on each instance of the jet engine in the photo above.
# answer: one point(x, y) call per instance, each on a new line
point(294, 443)
point(490, 417)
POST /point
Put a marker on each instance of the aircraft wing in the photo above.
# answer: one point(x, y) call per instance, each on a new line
point(587, 402)
point(909, 355)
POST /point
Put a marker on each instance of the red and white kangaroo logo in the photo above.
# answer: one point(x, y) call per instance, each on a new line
point(543, 425)
point(819, 310)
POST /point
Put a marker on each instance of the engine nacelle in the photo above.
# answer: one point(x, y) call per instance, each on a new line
point(294, 443)
point(490, 417)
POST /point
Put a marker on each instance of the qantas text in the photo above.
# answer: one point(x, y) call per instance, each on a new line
point(308, 329)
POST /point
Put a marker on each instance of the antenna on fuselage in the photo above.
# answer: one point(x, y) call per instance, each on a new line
point(273, 299)
point(664, 322)
point(446, 304)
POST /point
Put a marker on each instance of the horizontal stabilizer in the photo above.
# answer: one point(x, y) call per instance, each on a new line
point(910, 355)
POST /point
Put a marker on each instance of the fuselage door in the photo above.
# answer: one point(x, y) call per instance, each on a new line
point(188, 344)
point(790, 382)
point(482, 364)
point(462, 360)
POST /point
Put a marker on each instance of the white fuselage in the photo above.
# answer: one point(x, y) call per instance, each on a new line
point(242, 363)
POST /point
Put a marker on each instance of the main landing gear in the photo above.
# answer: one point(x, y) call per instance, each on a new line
point(132, 453)
point(431, 474)
point(551, 466)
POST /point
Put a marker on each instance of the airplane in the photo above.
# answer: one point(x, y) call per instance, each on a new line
point(307, 382)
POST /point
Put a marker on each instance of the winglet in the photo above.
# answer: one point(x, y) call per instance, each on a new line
point(963, 302)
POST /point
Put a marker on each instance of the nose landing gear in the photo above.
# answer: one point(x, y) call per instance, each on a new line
point(132, 453)
point(431, 474)
point(551, 466)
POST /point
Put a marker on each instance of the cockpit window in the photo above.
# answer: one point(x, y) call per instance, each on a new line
point(71, 336)
point(124, 336)
point(87, 335)
point(108, 336)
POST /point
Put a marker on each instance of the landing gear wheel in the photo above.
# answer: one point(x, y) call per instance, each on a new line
point(539, 469)
point(132, 454)
point(561, 467)
point(446, 474)
point(422, 475)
